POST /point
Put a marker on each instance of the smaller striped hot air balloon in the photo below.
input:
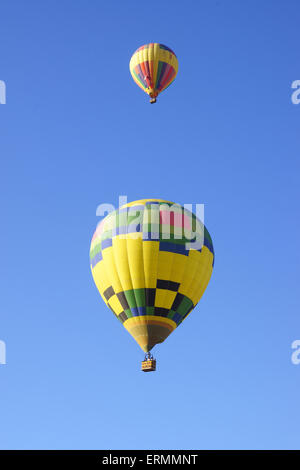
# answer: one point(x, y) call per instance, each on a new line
point(153, 68)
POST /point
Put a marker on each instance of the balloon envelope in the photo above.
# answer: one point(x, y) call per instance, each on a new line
point(151, 261)
point(153, 68)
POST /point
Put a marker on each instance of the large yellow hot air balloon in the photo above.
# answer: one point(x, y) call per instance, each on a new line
point(153, 68)
point(151, 261)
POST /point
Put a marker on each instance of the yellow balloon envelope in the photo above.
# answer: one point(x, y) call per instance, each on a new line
point(151, 261)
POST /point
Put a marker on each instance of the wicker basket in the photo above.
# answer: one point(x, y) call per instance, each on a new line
point(149, 365)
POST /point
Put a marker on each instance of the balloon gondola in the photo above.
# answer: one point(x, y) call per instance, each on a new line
point(149, 363)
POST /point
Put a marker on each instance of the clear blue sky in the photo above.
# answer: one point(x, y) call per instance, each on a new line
point(75, 132)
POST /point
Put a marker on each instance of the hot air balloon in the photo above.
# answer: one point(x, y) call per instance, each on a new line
point(151, 261)
point(153, 68)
